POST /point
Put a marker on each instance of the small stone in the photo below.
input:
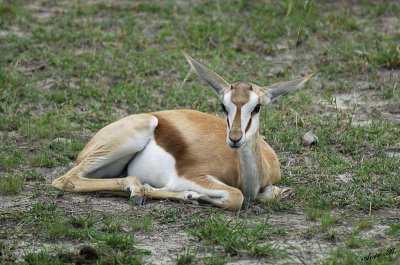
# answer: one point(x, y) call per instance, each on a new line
point(276, 71)
point(309, 139)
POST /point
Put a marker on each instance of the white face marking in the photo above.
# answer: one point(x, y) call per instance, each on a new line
point(246, 114)
point(230, 107)
point(247, 110)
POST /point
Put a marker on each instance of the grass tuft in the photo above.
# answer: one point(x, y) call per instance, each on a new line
point(185, 258)
point(235, 237)
point(10, 184)
point(142, 224)
point(118, 241)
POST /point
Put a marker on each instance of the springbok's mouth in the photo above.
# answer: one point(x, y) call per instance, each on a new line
point(236, 145)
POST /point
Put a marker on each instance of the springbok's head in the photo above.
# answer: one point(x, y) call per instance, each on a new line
point(242, 101)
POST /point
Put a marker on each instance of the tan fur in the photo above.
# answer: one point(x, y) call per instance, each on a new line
point(185, 134)
point(115, 134)
point(193, 134)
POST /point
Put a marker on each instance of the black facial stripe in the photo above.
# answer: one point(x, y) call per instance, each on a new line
point(256, 109)
point(223, 108)
point(248, 125)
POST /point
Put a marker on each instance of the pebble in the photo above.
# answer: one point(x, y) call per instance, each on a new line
point(309, 139)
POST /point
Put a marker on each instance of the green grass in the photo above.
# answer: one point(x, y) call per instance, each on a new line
point(169, 216)
point(363, 225)
point(235, 237)
point(68, 69)
point(186, 258)
point(117, 241)
point(42, 258)
point(10, 156)
point(328, 220)
point(110, 224)
point(83, 221)
point(394, 229)
point(50, 223)
point(62, 258)
point(10, 184)
point(144, 223)
point(357, 242)
point(377, 257)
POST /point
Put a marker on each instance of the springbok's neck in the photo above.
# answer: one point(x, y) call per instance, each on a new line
point(251, 161)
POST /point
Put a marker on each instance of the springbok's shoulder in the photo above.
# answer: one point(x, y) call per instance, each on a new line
point(267, 150)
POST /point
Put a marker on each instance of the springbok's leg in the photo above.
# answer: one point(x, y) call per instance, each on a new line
point(220, 194)
point(271, 193)
point(106, 155)
point(202, 189)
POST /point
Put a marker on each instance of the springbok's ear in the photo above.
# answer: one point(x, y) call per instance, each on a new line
point(274, 91)
point(212, 78)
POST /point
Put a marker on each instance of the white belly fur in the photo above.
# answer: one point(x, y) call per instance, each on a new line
point(154, 166)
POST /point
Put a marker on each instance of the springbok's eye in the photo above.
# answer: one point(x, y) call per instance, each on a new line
point(223, 108)
point(256, 109)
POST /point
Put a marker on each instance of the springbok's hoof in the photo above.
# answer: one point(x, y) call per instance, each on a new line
point(138, 199)
point(204, 201)
point(273, 193)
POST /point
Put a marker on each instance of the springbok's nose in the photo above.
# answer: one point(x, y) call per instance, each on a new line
point(235, 140)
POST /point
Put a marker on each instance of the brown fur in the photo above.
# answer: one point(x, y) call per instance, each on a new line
point(205, 135)
point(207, 152)
point(195, 139)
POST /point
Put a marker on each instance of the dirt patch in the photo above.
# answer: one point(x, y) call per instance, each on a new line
point(364, 107)
point(43, 11)
point(15, 31)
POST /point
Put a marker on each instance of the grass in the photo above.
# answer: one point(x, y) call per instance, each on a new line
point(50, 223)
point(42, 258)
point(10, 184)
point(235, 237)
point(144, 223)
point(186, 258)
point(68, 69)
point(68, 258)
point(121, 242)
point(395, 229)
point(83, 221)
point(169, 216)
point(328, 220)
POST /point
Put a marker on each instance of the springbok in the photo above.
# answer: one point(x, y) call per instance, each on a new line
point(184, 154)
